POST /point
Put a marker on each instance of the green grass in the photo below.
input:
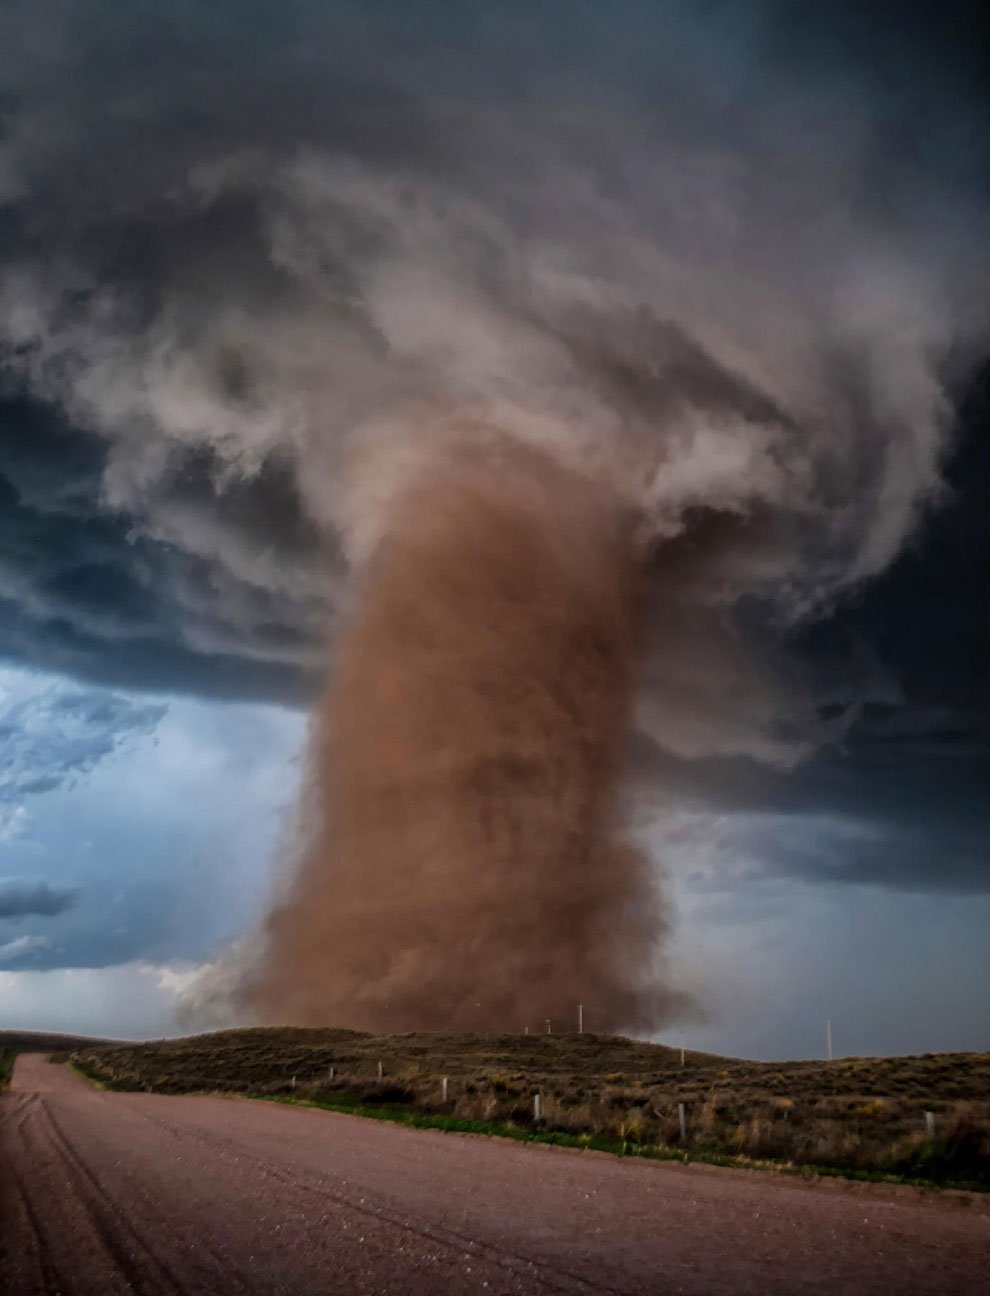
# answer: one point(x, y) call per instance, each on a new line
point(857, 1117)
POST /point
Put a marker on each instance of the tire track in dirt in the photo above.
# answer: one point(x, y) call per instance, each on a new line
point(110, 1221)
point(309, 1183)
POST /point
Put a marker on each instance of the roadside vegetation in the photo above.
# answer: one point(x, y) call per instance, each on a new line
point(864, 1117)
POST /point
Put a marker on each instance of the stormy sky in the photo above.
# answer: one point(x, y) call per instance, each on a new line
point(731, 258)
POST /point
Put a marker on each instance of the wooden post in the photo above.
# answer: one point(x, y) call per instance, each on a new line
point(549, 1027)
point(380, 1072)
point(331, 1074)
point(536, 1107)
point(293, 1082)
point(682, 1121)
point(444, 1089)
point(580, 1019)
point(930, 1124)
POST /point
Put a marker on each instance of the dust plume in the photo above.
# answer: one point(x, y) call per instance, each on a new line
point(465, 871)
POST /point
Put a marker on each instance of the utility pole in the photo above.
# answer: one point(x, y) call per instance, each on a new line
point(828, 1037)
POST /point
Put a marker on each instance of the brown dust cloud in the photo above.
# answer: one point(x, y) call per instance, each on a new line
point(464, 869)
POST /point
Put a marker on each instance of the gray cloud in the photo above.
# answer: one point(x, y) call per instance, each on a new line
point(21, 896)
point(81, 592)
point(256, 271)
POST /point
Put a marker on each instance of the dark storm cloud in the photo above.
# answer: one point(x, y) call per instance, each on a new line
point(20, 897)
point(919, 821)
point(728, 255)
point(901, 672)
point(908, 657)
point(83, 593)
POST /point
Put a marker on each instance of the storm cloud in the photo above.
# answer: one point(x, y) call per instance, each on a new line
point(262, 265)
point(22, 896)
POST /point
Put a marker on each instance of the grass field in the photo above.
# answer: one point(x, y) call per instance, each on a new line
point(864, 1116)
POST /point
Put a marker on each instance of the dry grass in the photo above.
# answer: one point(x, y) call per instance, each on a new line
point(860, 1114)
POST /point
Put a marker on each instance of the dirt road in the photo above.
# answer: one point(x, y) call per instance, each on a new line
point(110, 1193)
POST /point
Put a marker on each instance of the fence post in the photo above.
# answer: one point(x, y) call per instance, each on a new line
point(930, 1124)
point(380, 1072)
point(444, 1088)
point(682, 1121)
point(536, 1107)
point(293, 1082)
point(331, 1075)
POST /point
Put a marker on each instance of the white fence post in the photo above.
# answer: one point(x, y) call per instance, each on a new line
point(444, 1088)
point(380, 1072)
point(536, 1107)
point(930, 1124)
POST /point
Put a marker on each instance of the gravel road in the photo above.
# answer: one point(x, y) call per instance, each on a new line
point(109, 1193)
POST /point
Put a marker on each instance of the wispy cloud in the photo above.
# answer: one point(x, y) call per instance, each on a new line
point(53, 733)
point(21, 946)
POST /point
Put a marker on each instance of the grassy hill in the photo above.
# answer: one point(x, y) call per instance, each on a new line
point(862, 1115)
point(48, 1042)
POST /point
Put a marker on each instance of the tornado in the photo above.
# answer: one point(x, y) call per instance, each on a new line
point(514, 404)
point(462, 868)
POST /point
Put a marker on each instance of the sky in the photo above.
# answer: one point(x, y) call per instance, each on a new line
point(729, 258)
